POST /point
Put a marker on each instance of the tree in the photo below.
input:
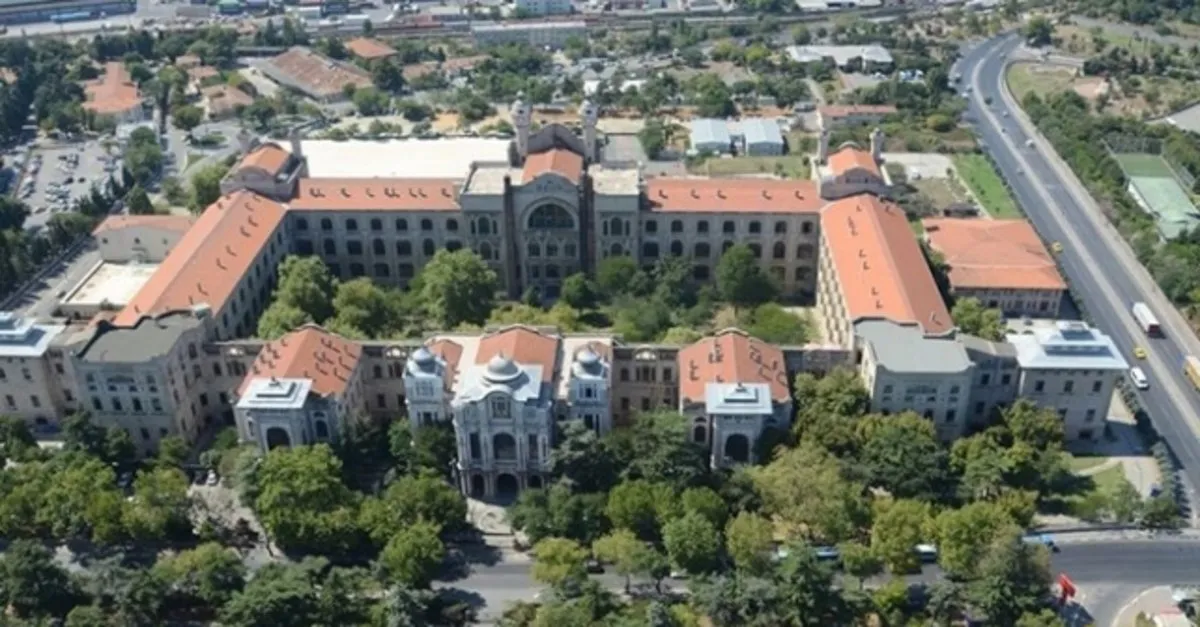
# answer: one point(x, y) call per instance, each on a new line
point(363, 309)
point(370, 101)
point(707, 503)
point(87, 616)
point(160, 505)
point(1045, 618)
point(457, 287)
point(428, 447)
point(1013, 579)
point(972, 317)
point(388, 76)
point(302, 502)
point(615, 274)
point(558, 512)
point(424, 497)
point(624, 551)
point(577, 291)
point(119, 448)
point(187, 117)
point(279, 319)
point(653, 137)
point(413, 556)
point(32, 585)
point(771, 323)
point(298, 595)
point(896, 533)
point(658, 447)
point(172, 452)
point(741, 280)
point(206, 187)
point(805, 490)
point(860, 561)
point(634, 505)
point(963, 535)
point(692, 543)
point(749, 539)
point(1161, 512)
point(210, 574)
point(306, 284)
point(559, 561)
point(903, 456)
point(138, 202)
point(1038, 31)
point(581, 459)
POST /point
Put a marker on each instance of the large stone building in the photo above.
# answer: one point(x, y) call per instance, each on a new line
point(172, 302)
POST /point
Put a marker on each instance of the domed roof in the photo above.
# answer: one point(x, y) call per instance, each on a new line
point(587, 362)
point(501, 369)
point(423, 358)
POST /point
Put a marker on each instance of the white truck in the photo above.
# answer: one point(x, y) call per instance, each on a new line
point(1146, 319)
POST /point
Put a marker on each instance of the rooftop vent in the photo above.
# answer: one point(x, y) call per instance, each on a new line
point(695, 193)
point(345, 192)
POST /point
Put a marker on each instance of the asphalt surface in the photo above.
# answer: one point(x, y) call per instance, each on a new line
point(1100, 267)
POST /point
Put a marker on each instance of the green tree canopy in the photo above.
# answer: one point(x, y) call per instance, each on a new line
point(457, 287)
point(972, 317)
point(740, 278)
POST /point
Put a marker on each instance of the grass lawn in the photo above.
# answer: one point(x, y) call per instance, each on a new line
point(788, 166)
point(978, 175)
point(1024, 78)
point(1082, 463)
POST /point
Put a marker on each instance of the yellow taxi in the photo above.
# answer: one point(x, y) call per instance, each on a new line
point(1057, 247)
point(1139, 352)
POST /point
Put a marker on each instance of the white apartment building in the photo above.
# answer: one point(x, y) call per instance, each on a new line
point(544, 7)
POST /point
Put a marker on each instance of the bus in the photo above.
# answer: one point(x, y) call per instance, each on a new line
point(1145, 319)
point(1191, 367)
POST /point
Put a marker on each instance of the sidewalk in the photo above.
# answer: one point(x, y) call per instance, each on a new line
point(1150, 602)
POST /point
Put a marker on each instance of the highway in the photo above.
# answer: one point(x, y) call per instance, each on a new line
point(1099, 266)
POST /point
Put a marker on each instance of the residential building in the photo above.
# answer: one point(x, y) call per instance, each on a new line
point(1003, 263)
point(316, 76)
point(833, 116)
point(544, 7)
point(144, 239)
point(33, 371)
point(369, 49)
point(114, 95)
point(224, 101)
point(870, 58)
point(536, 34)
point(1072, 368)
point(712, 136)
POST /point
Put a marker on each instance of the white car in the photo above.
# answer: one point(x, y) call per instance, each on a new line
point(1138, 378)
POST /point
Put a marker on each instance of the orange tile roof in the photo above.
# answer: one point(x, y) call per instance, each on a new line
point(703, 195)
point(841, 111)
point(999, 254)
point(113, 93)
point(202, 72)
point(850, 157)
point(523, 345)
point(451, 352)
point(210, 259)
point(309, 352)
point(318, 74)
point(879, 265)
point(169, 222)
point(382, 194)
point(731, 356)
point(367, 48)
point(560, 161)
point(269, 157)
point(222, 98)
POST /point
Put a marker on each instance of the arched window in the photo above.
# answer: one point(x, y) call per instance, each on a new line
point(403, 249)
point(426, 224)
point(452, 225)
point(485, 226)
point(703, 250)
point(504, 447)
point(615, 228)
point(401, 225)
point(429, 248)
point(676, 226)
point(551, 216)
point(677, 248)
point(780, 250)
point(535, 250)
point(616, 250)
point(551, 249)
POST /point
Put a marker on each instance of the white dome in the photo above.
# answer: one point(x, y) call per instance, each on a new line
point(423, 359)
point(501, 369)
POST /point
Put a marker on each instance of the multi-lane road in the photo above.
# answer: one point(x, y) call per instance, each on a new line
point(1101, 268)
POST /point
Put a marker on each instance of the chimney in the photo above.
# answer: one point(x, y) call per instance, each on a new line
point(294, 136)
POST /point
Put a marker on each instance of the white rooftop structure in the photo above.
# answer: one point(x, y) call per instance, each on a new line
point(1068, 345)
point(22, 337)
point(522, 381)
point(841, 55)
point(738, 399)
point(444, 158)
point(112, 284)
point(761, 130)
point(272, 393)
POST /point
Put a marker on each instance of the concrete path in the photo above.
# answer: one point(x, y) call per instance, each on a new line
point(1151, 601)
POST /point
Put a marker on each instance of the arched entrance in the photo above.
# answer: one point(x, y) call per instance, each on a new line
point(535, 482)
point(507, 487)
point(699, 434)
point(504, 447)
point(278, 436)
point(737, 448)
point(322, 430)
point(477, 486)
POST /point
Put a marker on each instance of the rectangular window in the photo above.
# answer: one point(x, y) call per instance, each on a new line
point(381, 401)
point(137, 405)
point(96, 404)
point(10, 401)
point(1096, 386)
point(475, 451)
point(1068, 387)
point(116, 403)
point(533, 447)
point(1091, 415)
point(145, 433)
point(1039, 386)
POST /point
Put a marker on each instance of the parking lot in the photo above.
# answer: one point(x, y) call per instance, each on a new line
point(58, 174)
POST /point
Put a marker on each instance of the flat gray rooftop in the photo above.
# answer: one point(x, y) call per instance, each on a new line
point(150, 338)
point(904, 348)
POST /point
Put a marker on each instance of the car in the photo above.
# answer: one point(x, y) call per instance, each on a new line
point(1044, 540)
point(594, 567)
point(1057, 247)
point(1139, 352)
point(1138, 378)
point(212, 479)
point(679, 574)
point(927, 552)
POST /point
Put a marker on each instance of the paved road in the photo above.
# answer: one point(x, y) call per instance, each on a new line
point(1100, 266)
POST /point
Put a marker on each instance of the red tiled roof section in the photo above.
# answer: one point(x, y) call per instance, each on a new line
point(841, 111)
point(451, 352)
point(309, 352)
point(168, 222)
point(850, 158)
point(325, 194)
point(994, 254)
point(369, 49)
point(113, 93)
point(524, 346)
point(202, 72)
point(731, 356)
point(222, 98)
point(562, 162)
point(269, 158)
point(704, 195)
point(317, 74)
point(879, 265)
point(210, 259)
